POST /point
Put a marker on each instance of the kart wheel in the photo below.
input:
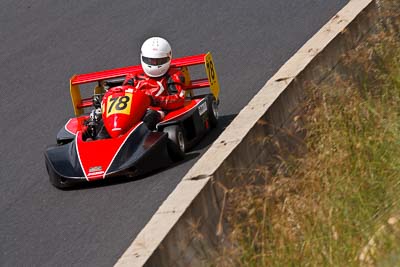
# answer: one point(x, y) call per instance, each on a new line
point(213, 112)
point(177, 143)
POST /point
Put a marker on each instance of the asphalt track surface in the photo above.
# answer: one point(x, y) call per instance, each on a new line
point(43, 42)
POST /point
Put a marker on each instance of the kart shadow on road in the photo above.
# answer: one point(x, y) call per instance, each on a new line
point(223, 122)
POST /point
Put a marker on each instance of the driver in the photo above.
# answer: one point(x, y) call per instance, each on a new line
point(163, 84)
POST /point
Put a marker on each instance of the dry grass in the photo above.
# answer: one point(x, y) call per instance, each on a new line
point(338, 203)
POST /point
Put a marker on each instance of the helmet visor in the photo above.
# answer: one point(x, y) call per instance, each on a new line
point(155, 61)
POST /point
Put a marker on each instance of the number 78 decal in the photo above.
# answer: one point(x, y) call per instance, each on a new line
point(119, 104)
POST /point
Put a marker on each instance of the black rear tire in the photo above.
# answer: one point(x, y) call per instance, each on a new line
point(212, 112)
point(176, 144)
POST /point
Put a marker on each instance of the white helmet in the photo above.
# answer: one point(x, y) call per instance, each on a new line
point(155, 56)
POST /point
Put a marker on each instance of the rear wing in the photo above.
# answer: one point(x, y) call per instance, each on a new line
point(183, 63)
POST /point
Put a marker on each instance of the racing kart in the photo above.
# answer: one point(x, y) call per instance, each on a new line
point(107, 137)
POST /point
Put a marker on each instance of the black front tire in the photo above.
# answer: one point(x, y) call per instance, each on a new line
point(212, 112)
point(176, 144)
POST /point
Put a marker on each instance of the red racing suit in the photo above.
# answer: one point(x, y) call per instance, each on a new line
point(166, 91)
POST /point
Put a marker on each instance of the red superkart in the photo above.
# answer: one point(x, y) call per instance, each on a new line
point(111, 139)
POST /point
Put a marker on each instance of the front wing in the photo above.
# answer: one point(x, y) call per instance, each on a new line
point(143, 151)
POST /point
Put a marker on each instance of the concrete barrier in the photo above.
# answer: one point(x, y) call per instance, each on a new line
point(186, 229)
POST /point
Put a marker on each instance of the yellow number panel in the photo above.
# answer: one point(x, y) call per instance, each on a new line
point(212, 75)
point(119, 105)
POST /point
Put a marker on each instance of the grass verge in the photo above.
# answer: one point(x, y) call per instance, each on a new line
point(336, 202)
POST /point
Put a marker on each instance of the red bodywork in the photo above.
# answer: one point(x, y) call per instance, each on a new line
point(123, 108)
point(120, 124)
point(95, 167)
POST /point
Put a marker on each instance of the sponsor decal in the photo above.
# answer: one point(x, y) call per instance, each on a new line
point(96, 170)
point(202, 108)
